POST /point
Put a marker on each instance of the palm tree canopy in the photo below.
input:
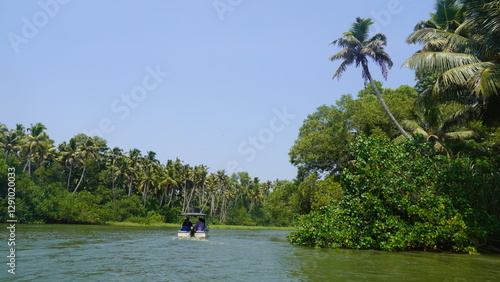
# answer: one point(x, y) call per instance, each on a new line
point(466, 60)
point(358, 46)
point(448, 16)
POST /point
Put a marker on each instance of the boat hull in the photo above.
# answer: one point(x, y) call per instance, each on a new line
point(187, 234)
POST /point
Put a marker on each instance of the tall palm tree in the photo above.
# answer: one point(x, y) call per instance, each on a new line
point(86, 151)
point(10, 141)
point(212, 187)
point(134, 167)
point(115, 159)
point(168, 182)
point(200, 182)
point(149, 177)
point(35, 145)
point(68, 157)
point(357, 49)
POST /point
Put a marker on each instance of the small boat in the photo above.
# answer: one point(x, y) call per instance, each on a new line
point(188, 231)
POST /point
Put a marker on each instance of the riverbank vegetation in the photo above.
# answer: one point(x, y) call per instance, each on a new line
point(84, 181)
point(411, 168)
point(430, 181)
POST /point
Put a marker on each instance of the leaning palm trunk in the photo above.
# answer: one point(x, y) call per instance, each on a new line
point(69, 177)
point(384, 105)
point(145, 193)
point(81, 178)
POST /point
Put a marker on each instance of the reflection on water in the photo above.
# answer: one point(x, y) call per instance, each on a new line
point(108, 253)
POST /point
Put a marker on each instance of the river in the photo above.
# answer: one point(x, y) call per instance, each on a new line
point(114, 253)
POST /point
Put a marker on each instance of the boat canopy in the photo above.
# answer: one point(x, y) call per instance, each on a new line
point(193, 214)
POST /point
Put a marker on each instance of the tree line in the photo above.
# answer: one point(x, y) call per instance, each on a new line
point(84, 181)
point(418, 167)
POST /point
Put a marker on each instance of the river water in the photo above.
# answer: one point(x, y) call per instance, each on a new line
point(112, 253)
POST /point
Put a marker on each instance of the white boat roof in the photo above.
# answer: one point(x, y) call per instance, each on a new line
point(193, 214)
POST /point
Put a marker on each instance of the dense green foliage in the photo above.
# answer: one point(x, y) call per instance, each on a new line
point(84, 181)
point(323, 139)
point(440, 190)
point(399, 197)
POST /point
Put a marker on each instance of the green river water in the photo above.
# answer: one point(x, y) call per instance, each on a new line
point(114, 253)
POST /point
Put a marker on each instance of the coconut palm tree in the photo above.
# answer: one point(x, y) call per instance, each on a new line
point(200, 182)
point(134, 167)
point(115, 162)
point(35, 145)
point(149, 176)
point(224, 193)
point(68, 157)
point(357, 49)
point(85, 151)
point(168, 182)
point(467, 61)
point(212, 187)
point(10, 141)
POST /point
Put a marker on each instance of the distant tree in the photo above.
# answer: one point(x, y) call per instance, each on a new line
point(322, 142)
point(87, 149)
point(68, 158)
point(10, 141)
point(35, 145)
point(133, 168)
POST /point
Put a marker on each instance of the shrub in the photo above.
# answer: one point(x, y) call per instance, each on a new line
point(390, 202)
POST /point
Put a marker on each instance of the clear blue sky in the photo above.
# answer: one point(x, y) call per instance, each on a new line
point(224, 83)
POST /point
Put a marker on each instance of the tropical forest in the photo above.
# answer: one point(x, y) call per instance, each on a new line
point(411, 168)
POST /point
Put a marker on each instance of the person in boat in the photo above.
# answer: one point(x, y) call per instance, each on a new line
point(186, 225)
point(200, 225)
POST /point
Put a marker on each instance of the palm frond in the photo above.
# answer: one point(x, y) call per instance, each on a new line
point(448, 14)
point(379, 37)
point(462, 75)
point(427, 34)
point(343, 54)
point(488, 81)
point(348, 41)
point(460, 135)
point(451, 41)
point(433, 45)
point(341, 69)
point(360, 28)
point(375, 44)
point(400, 139)
point(460, 117)
point(415, 128)
point(440, 148)
point(438, 62)
point(424, 24)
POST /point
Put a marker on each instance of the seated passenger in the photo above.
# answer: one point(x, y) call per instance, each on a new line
point(200, 225)
point(186, 225)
